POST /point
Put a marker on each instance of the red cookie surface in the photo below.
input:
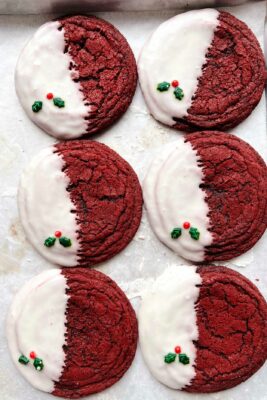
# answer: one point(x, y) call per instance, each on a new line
point(235, 184)
point(232, 326)
point(107, 197)
point(101, 334)
point(232, 81)
point(105, 65)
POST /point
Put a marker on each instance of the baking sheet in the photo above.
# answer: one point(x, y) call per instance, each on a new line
point(70, 6)
point(137, 137)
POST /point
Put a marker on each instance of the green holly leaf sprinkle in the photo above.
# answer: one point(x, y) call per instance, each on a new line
point(50, 241)
point(176, 232)
point(59, 102)
point(37, 106)
point(169, 358)
point(179, 93)
point(194, 233)
point(64, 241)
point(38, 364)
point(23, 360)
point(163, 86)
point(184, 359)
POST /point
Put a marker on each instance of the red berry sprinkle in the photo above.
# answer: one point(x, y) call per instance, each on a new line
point(175, 83)
point(186, 225)
point(32, 354)
point(177, 349)
point(49, 96)
point(58, 234)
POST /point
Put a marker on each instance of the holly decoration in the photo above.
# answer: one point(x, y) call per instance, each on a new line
point(33, 355)
point(181, 357)
point(37, 106)
point(169, 358)
point(23, 359)
point(63, 240)
point(50, 241)
point(178, 92)
point(59, 102)
point(186, 225)
point(38, 364)
point(176, 232)
point(193, 232)
point(184, 359)
point(163, 86)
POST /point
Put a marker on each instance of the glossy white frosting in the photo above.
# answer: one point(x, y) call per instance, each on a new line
point(45, 207)
point(167, 318)
point(43, 68)
point(36, 322)
point(176, 51)
point(172, 196)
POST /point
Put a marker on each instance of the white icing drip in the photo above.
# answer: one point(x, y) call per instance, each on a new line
point(43, 67)
point(176, 51)
point(45, 207)
point(36, 322)
point(167, 318)
point(172, 196)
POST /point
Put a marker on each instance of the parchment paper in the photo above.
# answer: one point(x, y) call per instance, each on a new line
point(137, 137)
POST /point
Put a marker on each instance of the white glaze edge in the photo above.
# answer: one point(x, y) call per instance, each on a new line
point(169, 204)
point(43, 67)
point(45, 206)
point(51, 345)
point(167, 318)
point(182, 60)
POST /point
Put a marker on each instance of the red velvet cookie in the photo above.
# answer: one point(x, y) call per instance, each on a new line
point(206, 196)
point(72, 332)
point(202, 69)
point(76, 76)
point(211, 325)
point(80, 203)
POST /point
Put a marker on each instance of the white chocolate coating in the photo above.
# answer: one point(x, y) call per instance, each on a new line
point(172, 196)
point(36, 322)
point(167, 318)
point(43, 68)
point(176, 51)
point(45, 207)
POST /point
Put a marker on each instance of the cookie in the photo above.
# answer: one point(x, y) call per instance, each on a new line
point(202, 69)
point(211, 325)
point(72, 332)
point(80, 203)
point(206, 196)
point(76, 76)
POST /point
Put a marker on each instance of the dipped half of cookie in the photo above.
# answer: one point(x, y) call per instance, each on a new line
point(75, 76)
point(202, 69)
point(206, 196)
point(80, 203)
point(203, 329)
point(72, 332)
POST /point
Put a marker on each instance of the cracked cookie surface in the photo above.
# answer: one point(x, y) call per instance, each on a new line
point(101, 335)
point(80, 203)
point(232, 325)
point(75, 323)
point(211, 325)
point(213, 60)
point(104, 65)
point(76, 76)
point(235, 186)
point(206, 196)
